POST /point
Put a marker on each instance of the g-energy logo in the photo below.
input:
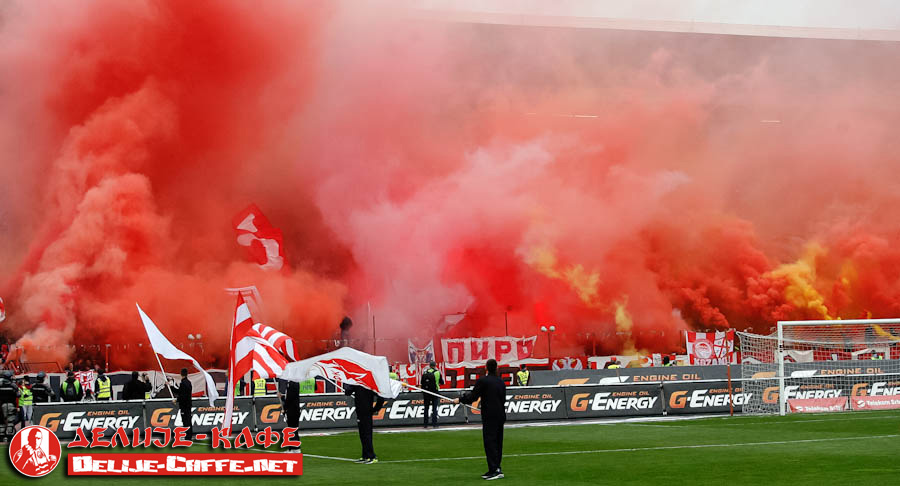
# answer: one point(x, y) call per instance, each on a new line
point(330, 411)
point(531, 404)
point(104, 419)
point(406, 409)
point(208, 416)
point(582, 402)
point(770, 395)
point(878, 389)
point(705, 399)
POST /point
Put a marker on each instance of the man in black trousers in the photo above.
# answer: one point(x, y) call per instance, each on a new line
point(184, 392)
point(291, 405)
point(492, 392)
point(363, 398)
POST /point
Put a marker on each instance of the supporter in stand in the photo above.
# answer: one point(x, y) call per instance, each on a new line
point(70, 390)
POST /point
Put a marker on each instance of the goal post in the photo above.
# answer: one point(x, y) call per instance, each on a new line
point(822, 365)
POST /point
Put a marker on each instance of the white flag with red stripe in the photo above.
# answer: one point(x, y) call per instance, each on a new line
point(279, 340)
point(2, 311)
point(250, 351)
point(347, 365)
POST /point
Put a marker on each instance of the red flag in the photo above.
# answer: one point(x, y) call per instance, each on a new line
point(264, 242)
point(2, 311)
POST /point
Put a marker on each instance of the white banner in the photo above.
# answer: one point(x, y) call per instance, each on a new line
point(476, 351)
point(710, 348)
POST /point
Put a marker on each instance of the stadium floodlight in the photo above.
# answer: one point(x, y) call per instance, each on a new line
point(834, 362)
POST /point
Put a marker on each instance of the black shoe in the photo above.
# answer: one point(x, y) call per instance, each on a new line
point(496, 475)
point(487, 475)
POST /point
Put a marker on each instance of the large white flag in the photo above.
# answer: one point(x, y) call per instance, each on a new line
point(347, 365)
point(164, 348)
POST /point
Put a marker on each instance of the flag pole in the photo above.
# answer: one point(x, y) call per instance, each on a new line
point(435, 394)
point(165, 378)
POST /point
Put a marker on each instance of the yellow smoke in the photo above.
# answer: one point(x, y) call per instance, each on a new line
point(801, 277)
point(585, 283)
point(881, 332)
point(624, 326)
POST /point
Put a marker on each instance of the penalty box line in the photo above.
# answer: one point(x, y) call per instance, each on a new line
point(642, 449)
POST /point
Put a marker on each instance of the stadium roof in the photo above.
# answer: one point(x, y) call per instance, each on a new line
point(823, 19)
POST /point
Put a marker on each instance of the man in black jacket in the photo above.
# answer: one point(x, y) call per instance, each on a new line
point(184, 392)
point(363, 398)
point(492, 392)
point(8, 409)
point(136, 389)
point(41, 390)
point(291, 404)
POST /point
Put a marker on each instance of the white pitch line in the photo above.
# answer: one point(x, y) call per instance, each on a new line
point(642, 449)
point(345, 459)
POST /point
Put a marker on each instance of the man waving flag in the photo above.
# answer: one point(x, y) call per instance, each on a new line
point(250, 351)
point(363, 376)
point(164, 348)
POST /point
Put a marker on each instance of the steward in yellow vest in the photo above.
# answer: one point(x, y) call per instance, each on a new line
point(259, 387)
point(308, 386)
point(26, 400)
point(103, 387)
point(523, 376)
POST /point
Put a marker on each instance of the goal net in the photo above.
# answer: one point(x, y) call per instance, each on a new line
point(819, 366)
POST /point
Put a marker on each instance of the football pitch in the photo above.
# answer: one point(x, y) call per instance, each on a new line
point(843, 448)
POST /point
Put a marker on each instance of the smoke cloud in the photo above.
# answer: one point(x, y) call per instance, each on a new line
point(623, 186)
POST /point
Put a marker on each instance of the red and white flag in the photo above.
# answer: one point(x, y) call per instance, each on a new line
point(2, 311)
point(347, 365)
point(710, 348)
point(263, 241)
point(250, 351)
point(279, 340)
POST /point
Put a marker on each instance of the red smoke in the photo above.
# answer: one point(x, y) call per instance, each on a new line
point(429, 168)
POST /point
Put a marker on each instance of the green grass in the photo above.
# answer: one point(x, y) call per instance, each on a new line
point(849, 448)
